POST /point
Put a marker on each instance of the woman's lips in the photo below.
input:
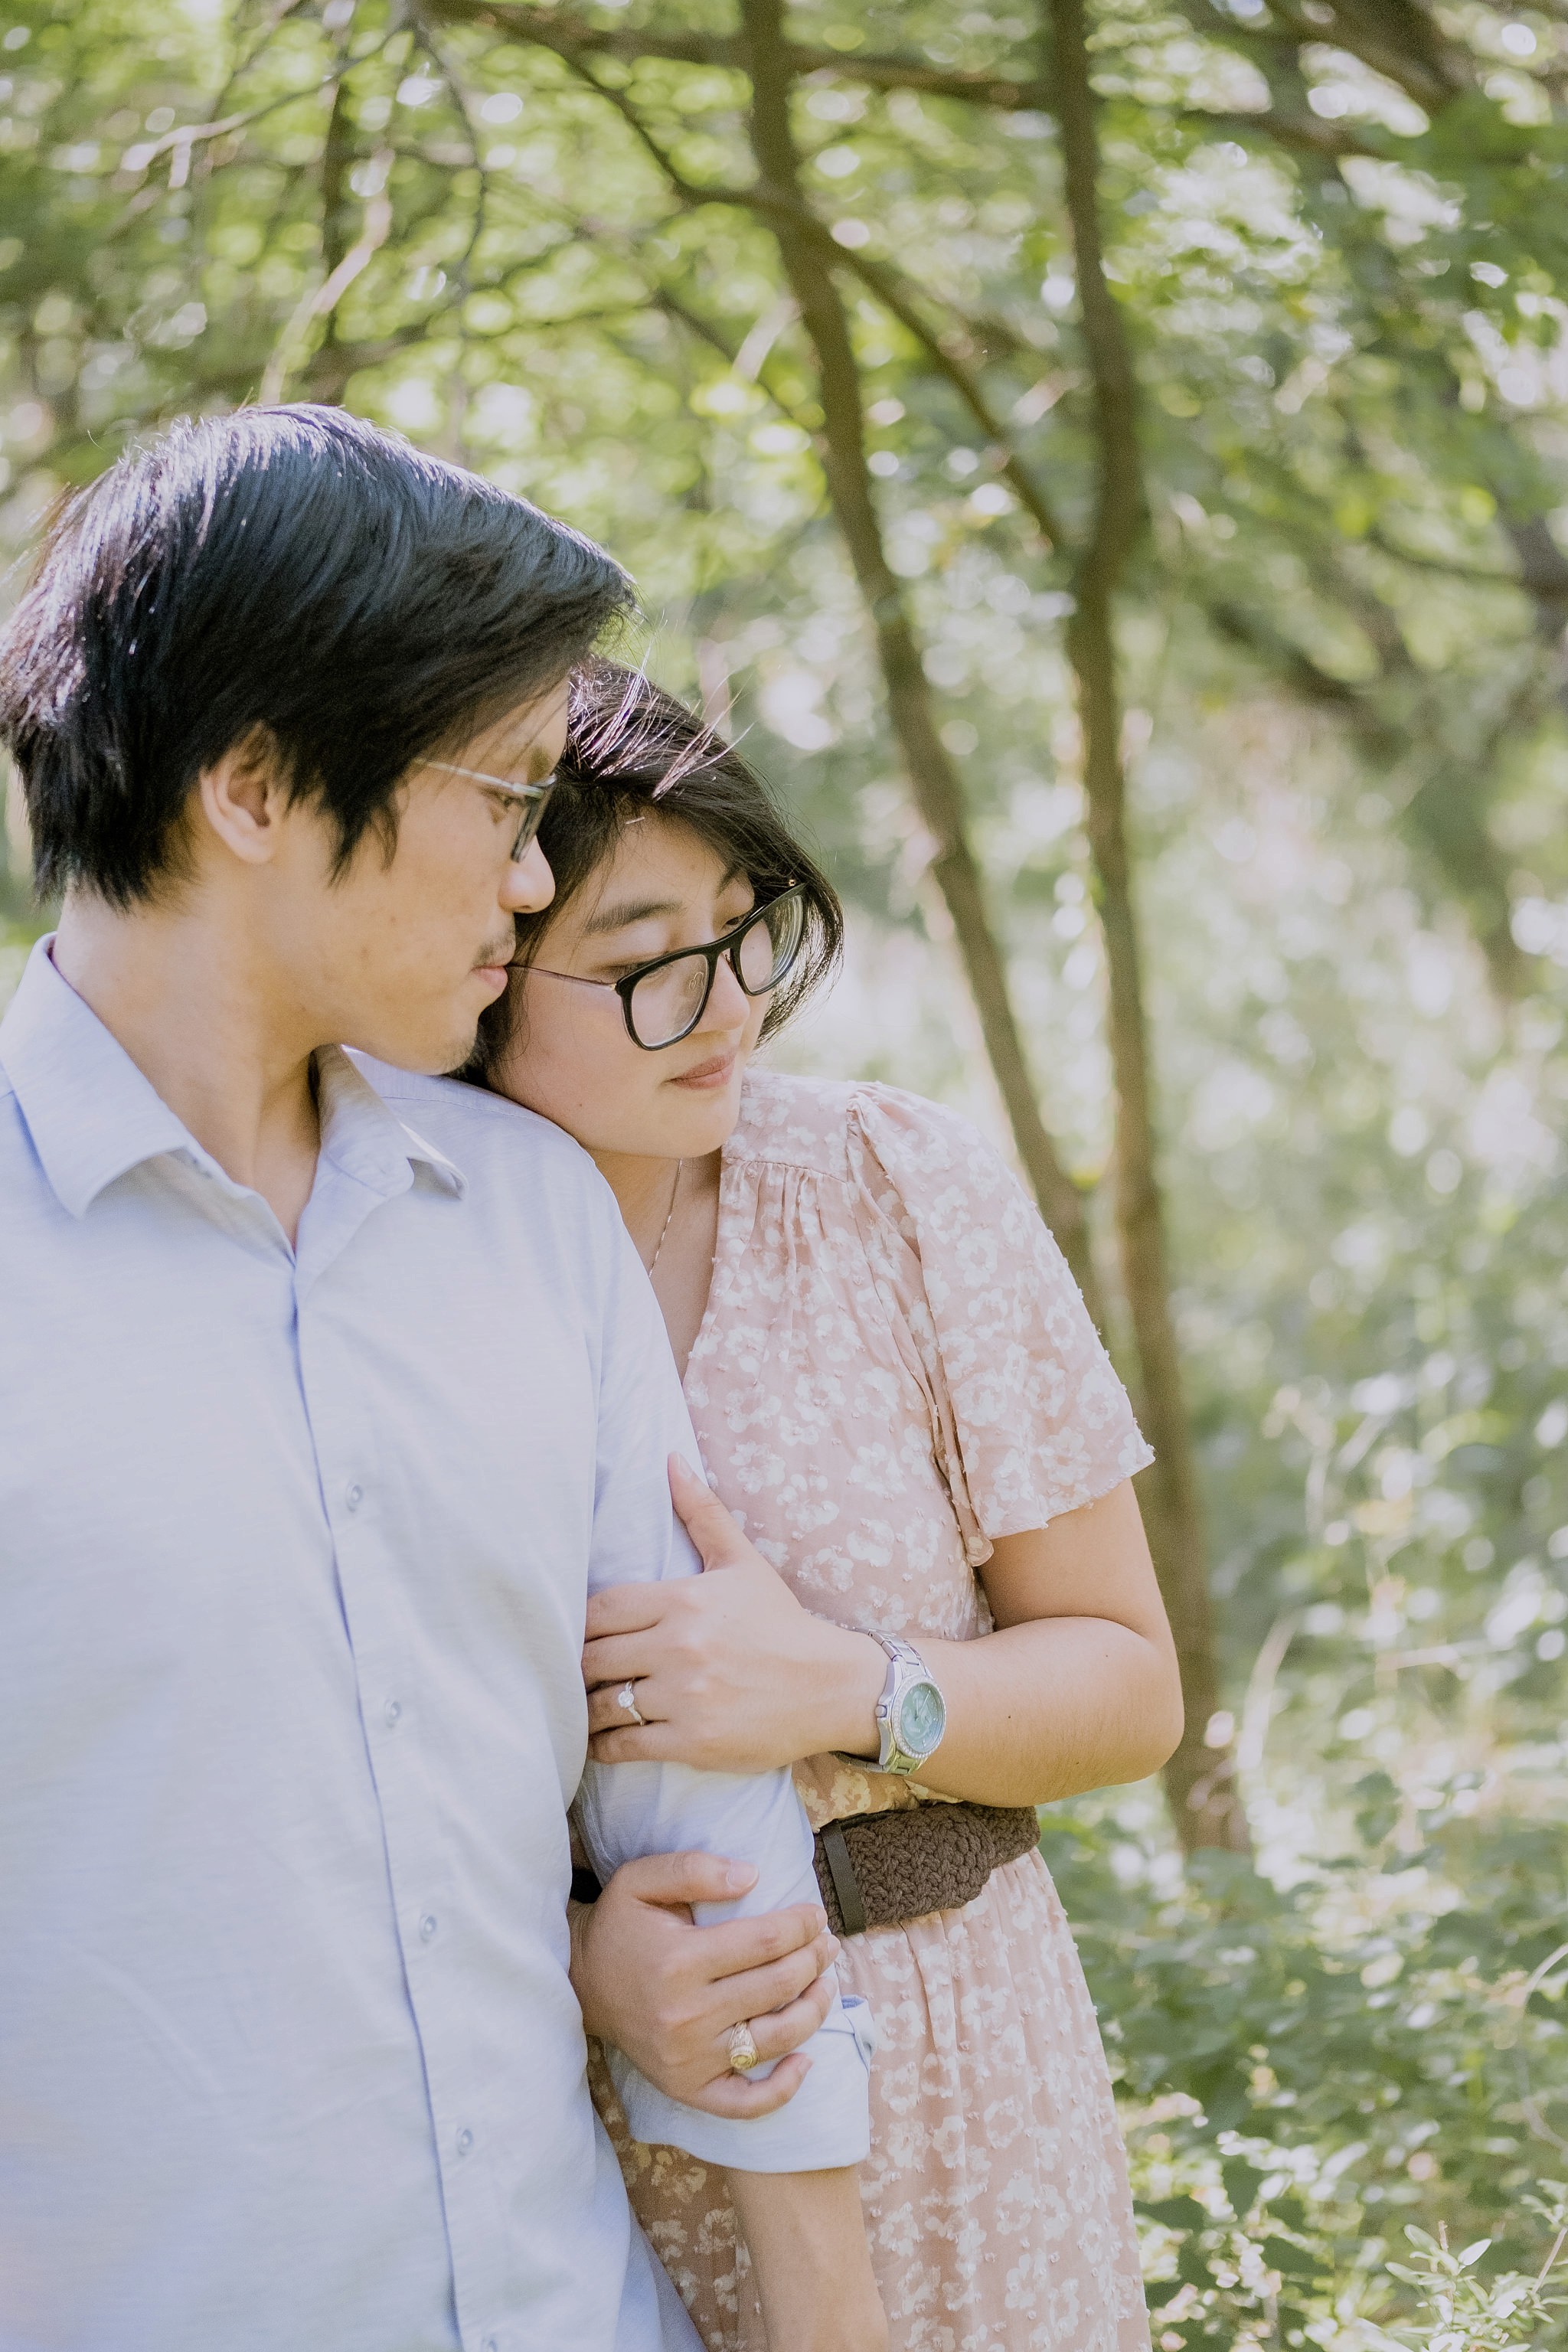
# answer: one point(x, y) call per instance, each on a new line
point(708, 1078)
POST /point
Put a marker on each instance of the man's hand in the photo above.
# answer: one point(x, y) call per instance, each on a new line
point(666, 1991)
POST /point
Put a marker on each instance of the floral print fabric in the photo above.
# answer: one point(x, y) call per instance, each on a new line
point(896, 1368)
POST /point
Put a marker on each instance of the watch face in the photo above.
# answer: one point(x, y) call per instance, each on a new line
point(922, 1720)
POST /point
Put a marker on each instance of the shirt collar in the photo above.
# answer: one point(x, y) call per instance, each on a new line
point(93, 1116)
point(364, 1137)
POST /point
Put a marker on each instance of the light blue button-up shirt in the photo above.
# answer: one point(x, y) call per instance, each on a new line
point(294, 1549)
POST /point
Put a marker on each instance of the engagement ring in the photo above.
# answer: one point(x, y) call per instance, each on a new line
point(624, 1698)
point(743, 2052)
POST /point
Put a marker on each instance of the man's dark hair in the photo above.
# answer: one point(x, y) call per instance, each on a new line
point(631, 748)
point(287, 576)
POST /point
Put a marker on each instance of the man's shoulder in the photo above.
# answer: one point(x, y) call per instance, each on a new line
point(503, 1153)
point(492, 1121)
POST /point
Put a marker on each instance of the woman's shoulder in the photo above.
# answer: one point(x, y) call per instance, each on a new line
point(830, 1124)
point(793, 1122)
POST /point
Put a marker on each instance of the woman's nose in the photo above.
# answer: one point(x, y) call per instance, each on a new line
point(529, 884)
point(728, 1006)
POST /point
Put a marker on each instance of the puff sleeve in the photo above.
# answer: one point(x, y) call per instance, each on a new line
point(1028, 1417)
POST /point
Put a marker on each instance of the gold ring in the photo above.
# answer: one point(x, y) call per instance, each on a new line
point(624, 1698)
point(743, 2052)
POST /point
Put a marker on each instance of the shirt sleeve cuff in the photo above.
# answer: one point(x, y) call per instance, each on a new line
point(826, 2124)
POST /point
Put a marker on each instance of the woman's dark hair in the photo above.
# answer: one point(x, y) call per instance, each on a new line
point(631, 748)
point(291, 575)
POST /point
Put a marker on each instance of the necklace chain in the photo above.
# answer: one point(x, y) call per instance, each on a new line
point(668, 1214)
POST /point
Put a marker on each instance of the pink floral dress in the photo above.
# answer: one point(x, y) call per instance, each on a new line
point(894, 1368)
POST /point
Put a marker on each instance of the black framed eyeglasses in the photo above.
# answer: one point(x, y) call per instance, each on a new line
point(663, 1001)
point(530, 800)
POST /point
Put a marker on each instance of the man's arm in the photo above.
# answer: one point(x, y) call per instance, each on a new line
point(625, 1811)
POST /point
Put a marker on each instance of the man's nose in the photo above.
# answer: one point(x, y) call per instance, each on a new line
point(529, 884)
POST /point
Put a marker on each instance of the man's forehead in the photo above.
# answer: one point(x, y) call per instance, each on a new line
point(514, 734)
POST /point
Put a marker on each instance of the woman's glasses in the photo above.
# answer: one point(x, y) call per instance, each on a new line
point(529, 799)
point(663, 1001)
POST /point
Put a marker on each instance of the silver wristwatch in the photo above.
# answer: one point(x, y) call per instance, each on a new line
point(910, 1713)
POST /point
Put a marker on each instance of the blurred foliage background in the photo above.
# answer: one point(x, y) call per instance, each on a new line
point(1114, 468)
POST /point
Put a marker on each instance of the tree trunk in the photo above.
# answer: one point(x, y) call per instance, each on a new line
point(1199, 1780)
point(933, 780)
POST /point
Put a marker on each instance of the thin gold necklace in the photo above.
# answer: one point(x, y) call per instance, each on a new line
point(668, 1214)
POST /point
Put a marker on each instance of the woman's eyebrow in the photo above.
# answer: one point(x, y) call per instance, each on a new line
point(629, 910)
point(617, 918)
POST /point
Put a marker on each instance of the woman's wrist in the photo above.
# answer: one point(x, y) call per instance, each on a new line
point(853, 1670)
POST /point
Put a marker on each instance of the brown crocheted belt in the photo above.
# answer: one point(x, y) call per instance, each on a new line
point(876, 1870)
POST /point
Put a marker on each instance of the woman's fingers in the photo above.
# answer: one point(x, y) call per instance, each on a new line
point(618, 1658)
point(717, 1540)
point(625, 1609)
point(656, 1744)
point(605, 1712)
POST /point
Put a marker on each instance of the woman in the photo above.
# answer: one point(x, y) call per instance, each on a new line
point(900, 1396)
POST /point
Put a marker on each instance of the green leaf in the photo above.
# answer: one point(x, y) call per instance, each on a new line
point(1177, 2213)
point(1242, 2181)
point(1291, 2260)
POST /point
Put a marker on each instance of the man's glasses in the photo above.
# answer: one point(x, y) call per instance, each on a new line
point(529, 799)
point(664, 1000)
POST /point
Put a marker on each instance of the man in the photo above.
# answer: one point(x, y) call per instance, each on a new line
point(312, 1442)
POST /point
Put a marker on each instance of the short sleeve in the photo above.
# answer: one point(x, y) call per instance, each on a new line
point(1029, 1418)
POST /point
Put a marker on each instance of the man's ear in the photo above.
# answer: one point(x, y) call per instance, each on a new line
point(243, 797)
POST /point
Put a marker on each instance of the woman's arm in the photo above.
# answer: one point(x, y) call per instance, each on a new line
point(1077, 1688)
point(806, 2235)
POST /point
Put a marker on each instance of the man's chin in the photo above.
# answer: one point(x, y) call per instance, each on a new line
point(427, 1054)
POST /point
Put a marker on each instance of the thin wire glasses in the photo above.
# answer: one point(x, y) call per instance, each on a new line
point(663, 1001)
point(533, 799)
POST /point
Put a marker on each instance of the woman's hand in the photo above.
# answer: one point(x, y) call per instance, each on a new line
point(731, 1673)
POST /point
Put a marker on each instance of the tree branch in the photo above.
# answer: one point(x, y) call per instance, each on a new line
point(1442, 812)
point(933, 780)
point(1545, 586)
point(322, 299)
point(1303, 134)
point(1199, 1780)
point(1396, 39)
point(787, 205)
point(572, 36)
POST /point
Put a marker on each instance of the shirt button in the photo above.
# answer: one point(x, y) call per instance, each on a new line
point(392, 1710)
point(464, 2141)
point(353, 1496)
point(427, 1926)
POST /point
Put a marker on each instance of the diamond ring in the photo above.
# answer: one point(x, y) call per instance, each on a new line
point(743, 2052)
point(624, 1698)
